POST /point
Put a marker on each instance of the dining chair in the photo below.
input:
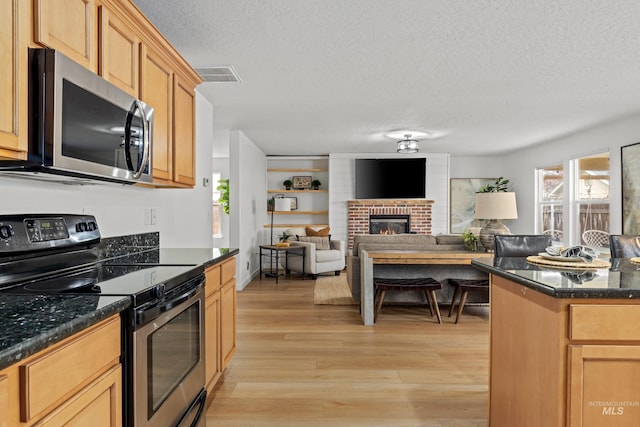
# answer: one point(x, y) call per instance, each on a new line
point(624, 246)
point(510, 245)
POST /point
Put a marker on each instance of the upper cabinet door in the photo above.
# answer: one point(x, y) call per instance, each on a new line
point(184, 135)
point(119, 52)
point(69, 26)
point(156, 90)
point(13, 78)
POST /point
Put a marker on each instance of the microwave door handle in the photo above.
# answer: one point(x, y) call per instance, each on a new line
point(146, 141)
point(137, 105)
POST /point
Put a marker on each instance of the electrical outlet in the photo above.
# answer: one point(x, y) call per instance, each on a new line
point(147, 216)
point(154, 216)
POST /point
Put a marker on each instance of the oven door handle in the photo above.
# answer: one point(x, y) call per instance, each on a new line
point(145, 314)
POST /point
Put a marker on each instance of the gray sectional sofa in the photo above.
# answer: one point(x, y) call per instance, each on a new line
point(413, 242)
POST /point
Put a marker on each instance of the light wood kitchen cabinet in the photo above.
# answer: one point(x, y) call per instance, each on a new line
point(213, 365)
point(119, 52)
point(562, 361)
point(220, 318)
point(75, 380)
point(228, 321)
point(183, 132)
point(69, 26)
point(98, 405)
point(157, 91)
point(4, 400)
point(14, 39)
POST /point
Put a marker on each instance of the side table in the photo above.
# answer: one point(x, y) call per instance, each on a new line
point(274, 252)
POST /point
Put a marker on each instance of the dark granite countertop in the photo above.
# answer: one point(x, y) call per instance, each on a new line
point(30, 323)
point(620, 281)
point(176, 256)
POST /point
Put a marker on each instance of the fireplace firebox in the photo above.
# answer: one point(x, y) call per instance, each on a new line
point(389, 224)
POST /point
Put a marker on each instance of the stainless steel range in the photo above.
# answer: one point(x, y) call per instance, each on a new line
point(163, 336)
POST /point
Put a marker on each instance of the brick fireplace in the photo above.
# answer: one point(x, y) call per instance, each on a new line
point(360, 210)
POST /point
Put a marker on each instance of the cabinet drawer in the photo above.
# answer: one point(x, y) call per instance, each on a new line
point(55, 374)
point(228, 270)
point(213, 282)
point(604, 322)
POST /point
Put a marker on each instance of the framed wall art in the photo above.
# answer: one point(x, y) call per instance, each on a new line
point(462, 201)
point(294, 203)
point(630, 159)
point(301, 182)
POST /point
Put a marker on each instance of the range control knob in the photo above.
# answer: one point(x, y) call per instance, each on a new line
point(91, 226)
point(81, 226)
point(6, 231)
point(158, 291)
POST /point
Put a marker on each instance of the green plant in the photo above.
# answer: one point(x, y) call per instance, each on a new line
point(501, 185)
point(223, 188)
point(316, 184)
point(283, 237)
point(271, 204)
point(287, 184)
point(470, 240)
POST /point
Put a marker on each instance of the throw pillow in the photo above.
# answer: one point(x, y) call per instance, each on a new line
point(312, 232)
point(298, 231)
point(322, 242)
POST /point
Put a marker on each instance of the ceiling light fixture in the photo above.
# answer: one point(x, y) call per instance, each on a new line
point(407, 145)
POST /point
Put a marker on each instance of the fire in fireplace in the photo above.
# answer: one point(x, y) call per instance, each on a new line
point(388, 224)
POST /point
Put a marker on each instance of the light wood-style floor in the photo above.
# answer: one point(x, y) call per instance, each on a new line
point(300, 364)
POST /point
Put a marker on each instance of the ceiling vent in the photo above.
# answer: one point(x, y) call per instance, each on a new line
point(218, 74)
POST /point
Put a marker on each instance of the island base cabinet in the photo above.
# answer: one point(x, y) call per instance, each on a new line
point(604, 386)
point(527, 357)
point(562, 361)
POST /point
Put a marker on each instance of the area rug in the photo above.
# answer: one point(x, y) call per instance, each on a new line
point(333, 290)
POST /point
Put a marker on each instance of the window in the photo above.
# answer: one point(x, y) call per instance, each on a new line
point(592, 200)
point(550, 201)
point(587, 223)
point(217, 208)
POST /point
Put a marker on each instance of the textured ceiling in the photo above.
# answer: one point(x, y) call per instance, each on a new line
point(486, 76)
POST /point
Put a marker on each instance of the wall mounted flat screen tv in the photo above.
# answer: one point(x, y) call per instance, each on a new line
point(391, 178)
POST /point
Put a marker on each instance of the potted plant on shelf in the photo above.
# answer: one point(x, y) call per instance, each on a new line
point(287, 184)
point(315, 184)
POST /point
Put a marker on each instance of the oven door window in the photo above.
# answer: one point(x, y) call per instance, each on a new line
point(173, 351)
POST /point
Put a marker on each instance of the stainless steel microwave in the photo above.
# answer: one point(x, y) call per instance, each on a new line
point(82, 128)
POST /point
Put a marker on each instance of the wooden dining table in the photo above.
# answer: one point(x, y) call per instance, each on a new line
point(403, 257)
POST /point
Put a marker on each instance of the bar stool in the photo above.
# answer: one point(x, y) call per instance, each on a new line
point(462, 288)
point(426, 284)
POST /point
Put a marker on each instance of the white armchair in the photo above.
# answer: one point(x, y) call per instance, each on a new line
point(317, 259)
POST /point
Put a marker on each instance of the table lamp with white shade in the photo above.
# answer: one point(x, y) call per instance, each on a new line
point(494, 206)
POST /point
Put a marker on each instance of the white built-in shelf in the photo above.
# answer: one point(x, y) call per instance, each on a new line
point(299, 212)
point(296, 225)
point(297, 191)
point(297, 170)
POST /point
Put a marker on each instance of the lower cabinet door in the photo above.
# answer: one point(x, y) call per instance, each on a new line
point(604, 386)
point(97, 405)
point(213, 365)
point(4, 400)
point(228, 321)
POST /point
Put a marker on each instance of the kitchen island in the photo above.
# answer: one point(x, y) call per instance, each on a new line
point(565, 344)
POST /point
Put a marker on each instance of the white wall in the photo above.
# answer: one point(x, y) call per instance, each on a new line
point(183, 215)
point(519, 167)
point(247, 203)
